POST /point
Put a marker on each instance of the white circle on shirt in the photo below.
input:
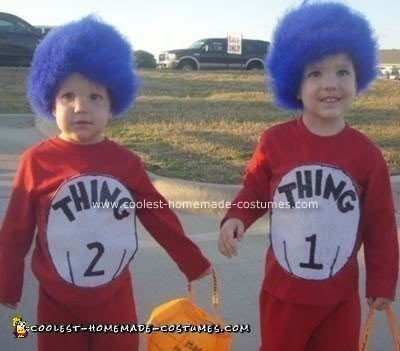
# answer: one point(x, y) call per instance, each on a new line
point(315, 243)
point(91, 246)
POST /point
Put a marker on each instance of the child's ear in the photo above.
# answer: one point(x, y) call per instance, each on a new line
point(298, 96)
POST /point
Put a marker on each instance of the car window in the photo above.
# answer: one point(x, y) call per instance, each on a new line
point(13, 26)
point(6, 26)
point(216, 46)
point(255, 46)
point(197, 45)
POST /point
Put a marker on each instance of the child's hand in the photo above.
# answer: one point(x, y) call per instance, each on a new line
point(205, 273)
point(13, 306)
point(231, 232)
point(380, 303)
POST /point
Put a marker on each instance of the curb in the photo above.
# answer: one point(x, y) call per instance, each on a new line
point(45, 127)
point(17, 121)
point(194, 197)
point(187, 196)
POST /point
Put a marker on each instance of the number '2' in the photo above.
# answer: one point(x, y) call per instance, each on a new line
point(100, 250)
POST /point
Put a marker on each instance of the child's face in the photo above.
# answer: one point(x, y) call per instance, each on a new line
point(328, 89)
point(82, 110)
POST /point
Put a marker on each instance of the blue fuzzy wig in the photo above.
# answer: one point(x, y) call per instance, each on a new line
point(89, 47)
point(311, 32)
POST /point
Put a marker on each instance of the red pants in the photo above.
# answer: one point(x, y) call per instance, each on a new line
point(120, 310)
point(292, 327)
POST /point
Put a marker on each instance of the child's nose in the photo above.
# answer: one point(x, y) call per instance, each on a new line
point(330, 82)
point(80, 105)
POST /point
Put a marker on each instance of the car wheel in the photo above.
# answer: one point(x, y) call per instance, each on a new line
point(187, 65)
point(255, 65)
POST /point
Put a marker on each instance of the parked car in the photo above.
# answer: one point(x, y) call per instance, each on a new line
point(18, 40)
point(212, 53)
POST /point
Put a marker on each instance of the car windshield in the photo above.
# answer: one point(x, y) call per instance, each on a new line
point(197, 45)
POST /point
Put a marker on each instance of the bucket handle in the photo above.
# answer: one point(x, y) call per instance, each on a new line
point(392, 325)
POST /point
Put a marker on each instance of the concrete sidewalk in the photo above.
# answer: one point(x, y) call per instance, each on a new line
point(156, 278)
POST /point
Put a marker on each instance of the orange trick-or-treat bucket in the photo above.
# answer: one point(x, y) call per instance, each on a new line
point(202, 330)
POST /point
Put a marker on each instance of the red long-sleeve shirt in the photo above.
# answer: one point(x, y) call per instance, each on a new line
point(312, 258)
point(82, 252)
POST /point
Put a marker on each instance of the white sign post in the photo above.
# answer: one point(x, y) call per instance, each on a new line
point(234, 44)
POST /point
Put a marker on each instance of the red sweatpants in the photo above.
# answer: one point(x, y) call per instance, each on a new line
point(292, 327)
point(120, 310)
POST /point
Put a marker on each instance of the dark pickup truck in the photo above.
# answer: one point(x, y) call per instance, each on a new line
point(212, 53)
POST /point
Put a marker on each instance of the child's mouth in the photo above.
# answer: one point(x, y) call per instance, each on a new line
point(330, 99)
point(82, 122)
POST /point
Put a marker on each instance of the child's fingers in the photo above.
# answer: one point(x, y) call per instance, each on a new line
point(222, 249)
point(381, 303)
point(226, 245)
point(230, 243)
point(230, 232)
point(239, 230)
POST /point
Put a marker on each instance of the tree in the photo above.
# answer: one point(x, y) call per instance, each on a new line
point(144, 59)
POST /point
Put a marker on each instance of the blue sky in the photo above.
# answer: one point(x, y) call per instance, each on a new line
point(159, 25)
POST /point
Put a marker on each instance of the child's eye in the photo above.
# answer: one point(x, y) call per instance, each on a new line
point(343, 72)
point(96, 97)
point(67, 96)
point(313, 74)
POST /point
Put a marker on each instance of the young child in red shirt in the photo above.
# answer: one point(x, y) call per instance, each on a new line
point(322, 55)
point(82, 77)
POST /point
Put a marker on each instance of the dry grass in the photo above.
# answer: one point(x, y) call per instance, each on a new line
point(204, 125)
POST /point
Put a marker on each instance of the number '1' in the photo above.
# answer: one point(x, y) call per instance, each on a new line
point(311, 263)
